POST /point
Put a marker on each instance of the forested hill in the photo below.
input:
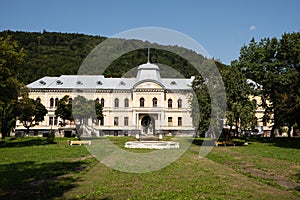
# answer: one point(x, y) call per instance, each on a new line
point(55, 54)
point(51, 54)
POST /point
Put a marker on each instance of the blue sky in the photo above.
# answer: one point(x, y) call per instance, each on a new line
point(221, 27)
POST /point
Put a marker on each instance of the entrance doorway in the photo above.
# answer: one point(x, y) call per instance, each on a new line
point(148, 124)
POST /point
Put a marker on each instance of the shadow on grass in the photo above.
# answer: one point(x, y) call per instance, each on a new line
point(30, 180)
point(23, 142)
point(212, 142)
point(293, 142)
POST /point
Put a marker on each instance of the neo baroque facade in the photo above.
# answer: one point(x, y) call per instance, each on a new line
point(146, 104)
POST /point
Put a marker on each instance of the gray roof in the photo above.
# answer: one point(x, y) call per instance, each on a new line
point(146, 72)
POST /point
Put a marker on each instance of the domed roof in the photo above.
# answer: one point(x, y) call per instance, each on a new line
point(148, 71)
point(148, 66)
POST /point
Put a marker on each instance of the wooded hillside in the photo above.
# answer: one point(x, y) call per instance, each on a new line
point(55, 54)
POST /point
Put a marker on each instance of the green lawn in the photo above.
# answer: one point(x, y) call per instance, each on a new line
point(32, 169)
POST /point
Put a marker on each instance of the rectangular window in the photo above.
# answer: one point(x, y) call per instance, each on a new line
point(170, 121)
point(126, 103)
point(179, 121)
point(116, 121)
point(125, 121)
point(55, 120)
point(170, 103)
point(102, 121)
point(50, 121)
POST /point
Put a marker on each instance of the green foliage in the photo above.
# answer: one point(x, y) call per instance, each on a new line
point(240, 110)
point(201, 105)
point(64, 109)
point(274, 63)
point(54, 54)
point(11, 56)
point(51, 54)
point(30, 112)
point(84, 110)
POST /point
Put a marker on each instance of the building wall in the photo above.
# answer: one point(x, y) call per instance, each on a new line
point(133, 112)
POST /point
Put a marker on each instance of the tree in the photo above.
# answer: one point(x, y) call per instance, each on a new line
point(240, 109)
point(83, 110)
point(201, 105)
point(208, 102)
point(275, 65)
point(64, 109)
point(11, 56)
point(289, 57)
point(30, 112)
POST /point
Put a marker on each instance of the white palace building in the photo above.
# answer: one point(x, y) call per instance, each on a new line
point(146, 104)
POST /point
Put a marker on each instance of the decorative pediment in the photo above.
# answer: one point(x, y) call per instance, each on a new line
point(148, 85)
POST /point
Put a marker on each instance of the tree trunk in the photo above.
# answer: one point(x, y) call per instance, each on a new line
point(27, 131)
point(289, 131)
point(3, 133)
point(272, 136)
point(236, 128)
point(3, 130)
point(230, 129)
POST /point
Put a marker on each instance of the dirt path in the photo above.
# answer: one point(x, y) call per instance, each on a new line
point(190, 177)
point(269, 170)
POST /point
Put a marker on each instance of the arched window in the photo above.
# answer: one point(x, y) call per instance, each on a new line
point(116, 103)
point(142, 102)
point(154, 102)
point(97, 100)
point(126, 103)
point(70, 100)
point(56, 101)
point(38, 99)
point(179, 103)
point(51, 102)
point(102, 102)
point(170, 103)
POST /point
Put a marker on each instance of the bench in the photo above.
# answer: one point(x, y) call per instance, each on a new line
point(80, 142)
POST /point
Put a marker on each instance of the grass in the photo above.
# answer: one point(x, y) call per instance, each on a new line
point(32, 169)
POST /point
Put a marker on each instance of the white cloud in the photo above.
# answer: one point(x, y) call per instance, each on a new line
point(252, 28)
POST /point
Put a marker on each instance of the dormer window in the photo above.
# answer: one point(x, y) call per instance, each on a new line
point(173, 83)
point(59, 82)
point(79, 83)
point(99, 83)
point(41, 82)
point(122, 83)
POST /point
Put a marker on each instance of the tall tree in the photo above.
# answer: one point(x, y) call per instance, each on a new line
point(275, 65)
point(201, 105)
point(240, 110)
point(209, 100)
point(288, 57)
point(11, 56)
point(30, 112)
